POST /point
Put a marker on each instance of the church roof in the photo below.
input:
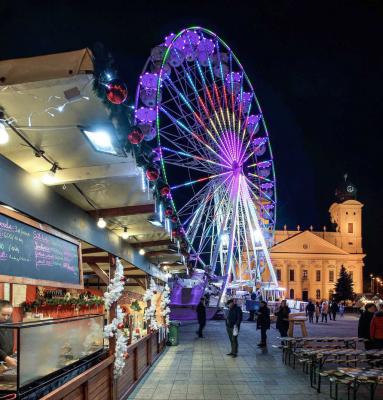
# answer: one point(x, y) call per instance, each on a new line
point(306, 242)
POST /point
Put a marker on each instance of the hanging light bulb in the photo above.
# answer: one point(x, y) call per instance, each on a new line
point(50, 177)
point(125, 234)
point(141, 252)
point(101, 223)
point(4, 137)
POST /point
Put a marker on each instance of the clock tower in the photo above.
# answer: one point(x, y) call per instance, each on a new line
point(346, 215)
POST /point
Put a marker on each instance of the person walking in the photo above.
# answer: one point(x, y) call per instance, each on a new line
point(341, 310)
point(317, 312)
point(310, 309)
point(364, 324)
point(201, 316)
point(282, 314)
point(324, 311)
point(233, 323)
point(334, 309)
point(329, 309)
point(376, 329)
point(263, 322)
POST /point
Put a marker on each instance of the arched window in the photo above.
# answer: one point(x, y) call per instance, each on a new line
point(291, 293)
point(318, 294)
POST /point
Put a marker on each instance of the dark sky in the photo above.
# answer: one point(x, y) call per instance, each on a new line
point(317, 69)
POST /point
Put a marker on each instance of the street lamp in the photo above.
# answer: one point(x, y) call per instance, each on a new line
point(372, 283)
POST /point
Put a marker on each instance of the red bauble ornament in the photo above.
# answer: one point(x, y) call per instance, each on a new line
point(120, 325)
point(174, 232)
point(136, 136)
point(168, 211)
point(152, 174)
point(122, 279)
point(174, 219)
point(126, 356)
point(116, 91)
point(124, 309)
point(165, 190)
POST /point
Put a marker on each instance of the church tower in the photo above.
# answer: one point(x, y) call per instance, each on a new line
point(346, 215)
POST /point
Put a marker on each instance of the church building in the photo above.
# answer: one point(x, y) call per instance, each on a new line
point(308, 262)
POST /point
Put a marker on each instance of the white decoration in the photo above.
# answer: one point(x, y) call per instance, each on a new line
point(150, 312)
point(165, 301)
point(113, 293)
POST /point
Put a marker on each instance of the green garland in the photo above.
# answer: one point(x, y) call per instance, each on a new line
point(61, 301)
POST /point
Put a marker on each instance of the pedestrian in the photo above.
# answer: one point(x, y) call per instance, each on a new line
point(282, 314)
point(310, 309)
point(376, 329)
point(329, 310)
point(341, 310)
point(365, 324)
point(201, 316)
point(253, 297)
point(317, 311)
point(233, 323)
point(324, 311)
point(6, 335)
point(334, 309)
point(263, 322)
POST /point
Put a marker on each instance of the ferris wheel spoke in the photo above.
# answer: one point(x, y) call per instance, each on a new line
point(206, 178)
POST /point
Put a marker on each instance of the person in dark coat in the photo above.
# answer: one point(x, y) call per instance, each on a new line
point(334, 308)
point(282, 314)
point(365, 323)
point(310, 309)
point(253, 297)
point(6, 335)
point(263, 322)
point(201, 316)
point(233, 323)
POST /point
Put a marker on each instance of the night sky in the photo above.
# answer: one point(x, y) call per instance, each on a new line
point(317, 69)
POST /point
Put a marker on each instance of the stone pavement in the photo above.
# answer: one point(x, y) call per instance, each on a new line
point(199, 369)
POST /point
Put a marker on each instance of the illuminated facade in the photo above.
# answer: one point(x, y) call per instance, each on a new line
point(308, 262)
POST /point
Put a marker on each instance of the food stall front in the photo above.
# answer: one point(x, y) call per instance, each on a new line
point(58, 322)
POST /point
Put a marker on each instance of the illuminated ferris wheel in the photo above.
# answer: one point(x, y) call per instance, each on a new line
point(214, 152)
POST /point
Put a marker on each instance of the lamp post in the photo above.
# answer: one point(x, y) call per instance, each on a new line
point(372, 283)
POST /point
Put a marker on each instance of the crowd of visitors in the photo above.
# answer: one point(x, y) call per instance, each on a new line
point(370, 325)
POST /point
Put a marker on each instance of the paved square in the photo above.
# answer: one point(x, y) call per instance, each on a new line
point(199, 369)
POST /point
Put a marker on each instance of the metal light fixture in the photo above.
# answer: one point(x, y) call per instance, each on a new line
point(141, 252)
point(101, 223)
point(100, 140)
point(153, 219)
point(125, 234)
point(50, 177)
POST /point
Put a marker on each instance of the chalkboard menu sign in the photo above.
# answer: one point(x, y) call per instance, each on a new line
point(36, 254)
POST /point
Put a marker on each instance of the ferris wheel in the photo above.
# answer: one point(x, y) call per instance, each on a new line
point(195, 99)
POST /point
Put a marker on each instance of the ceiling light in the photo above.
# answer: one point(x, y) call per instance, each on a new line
point(4, 137)
point(101, 141)
point(101, 223)
point(142, 252)
point(125, 234)
point(50, 177)
point(155, 221)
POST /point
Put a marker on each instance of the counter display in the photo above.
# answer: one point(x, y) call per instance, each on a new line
point(44, 348)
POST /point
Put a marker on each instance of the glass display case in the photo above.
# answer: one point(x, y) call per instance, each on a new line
point(43, 349)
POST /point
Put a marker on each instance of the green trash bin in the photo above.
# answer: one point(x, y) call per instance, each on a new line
point(173, 336)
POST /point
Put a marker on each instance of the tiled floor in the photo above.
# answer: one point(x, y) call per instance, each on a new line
point(199, 368)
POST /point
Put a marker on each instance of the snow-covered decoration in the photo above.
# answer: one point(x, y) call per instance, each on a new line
point(115, 328)
point(150, 312)
point(165, 301)
point(116, 286)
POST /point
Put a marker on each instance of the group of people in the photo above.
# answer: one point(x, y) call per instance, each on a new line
point(324, 310)
point(370, 326)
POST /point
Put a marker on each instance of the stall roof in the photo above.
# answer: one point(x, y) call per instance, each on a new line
point(46, 100)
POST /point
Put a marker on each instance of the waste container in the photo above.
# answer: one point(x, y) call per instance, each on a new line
point(173, 336)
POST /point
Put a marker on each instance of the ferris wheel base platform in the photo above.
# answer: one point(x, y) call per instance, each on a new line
point(188, 313)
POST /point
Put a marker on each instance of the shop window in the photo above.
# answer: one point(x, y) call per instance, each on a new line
point(279, 275)
point(317, 275)
point(331, 276)
point(317, 294)
point(291, 293)
point(305, 274)
point(292, 275)
point(350, 227)
point(350, 243)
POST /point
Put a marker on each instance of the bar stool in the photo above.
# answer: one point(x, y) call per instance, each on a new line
point(299, 321)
